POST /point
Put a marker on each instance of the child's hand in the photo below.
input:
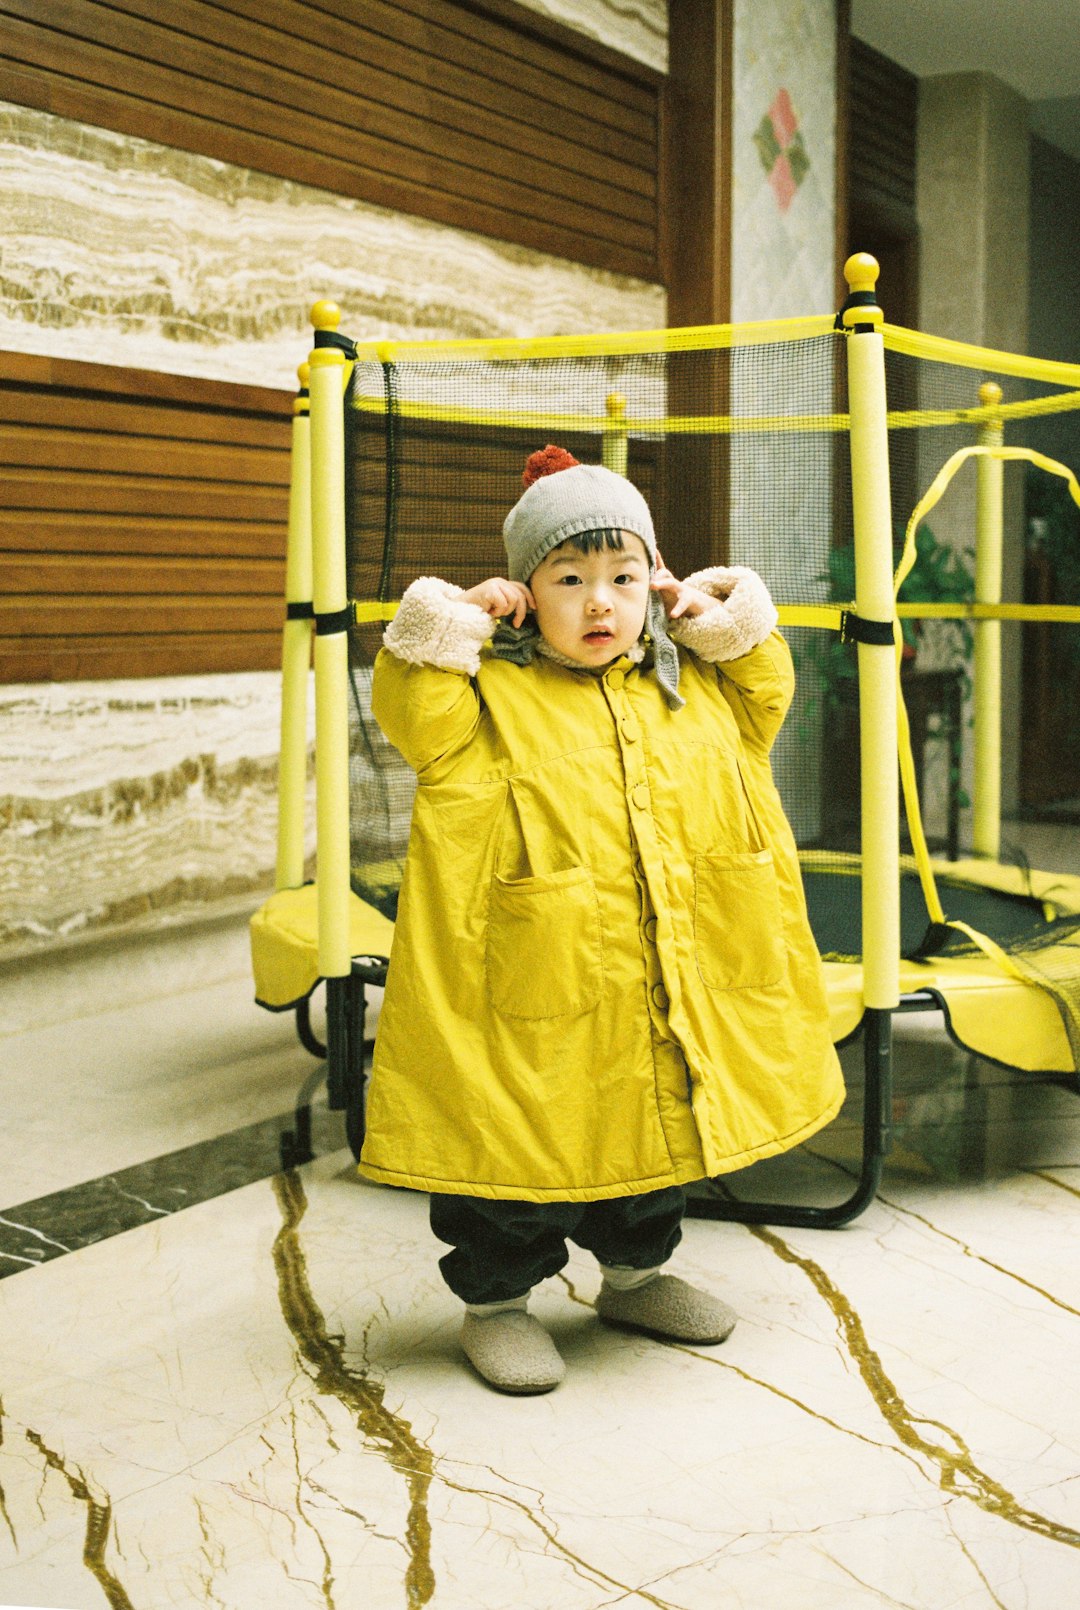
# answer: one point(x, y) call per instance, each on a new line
point(679, 599)
point(497, 596)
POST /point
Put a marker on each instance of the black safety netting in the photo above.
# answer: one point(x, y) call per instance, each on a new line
point(743, 454)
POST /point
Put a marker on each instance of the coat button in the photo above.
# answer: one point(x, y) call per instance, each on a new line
point(615, 680)
point(639, 794)
point(650, 930)
point(660, 998)
point(629, 730)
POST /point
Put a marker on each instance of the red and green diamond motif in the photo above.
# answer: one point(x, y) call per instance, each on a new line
point(781, 149)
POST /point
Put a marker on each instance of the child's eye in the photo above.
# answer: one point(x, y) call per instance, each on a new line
point(569, 581)
point(624, 579)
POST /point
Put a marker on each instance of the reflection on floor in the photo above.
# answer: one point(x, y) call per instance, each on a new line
point(258, 1400)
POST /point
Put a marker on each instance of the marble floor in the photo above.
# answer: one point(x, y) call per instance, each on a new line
point(225, 1385)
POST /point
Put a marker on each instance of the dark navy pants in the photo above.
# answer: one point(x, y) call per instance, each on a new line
point(502, 1249)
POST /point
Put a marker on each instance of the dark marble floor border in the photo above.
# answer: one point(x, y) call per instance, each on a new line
point(34, 1233)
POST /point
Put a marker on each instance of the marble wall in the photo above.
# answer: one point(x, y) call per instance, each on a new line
point(973, 198)
point(783, 266)
point(783, 159)
point(228, 262)
point(636, 27)
point(132, 803)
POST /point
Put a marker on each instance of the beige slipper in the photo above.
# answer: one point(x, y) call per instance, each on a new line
point(669, 1308)
point(512, 1351)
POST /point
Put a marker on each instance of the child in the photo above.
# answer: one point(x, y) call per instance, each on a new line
point(603, 985)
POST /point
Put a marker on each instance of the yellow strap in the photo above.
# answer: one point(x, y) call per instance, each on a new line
point(706, 424)
point(936, 490)
point(941, 350)
point(990, 612)
point(825, 616)
point(718, 337)
point(628, 424)
point(696, 338)
point(1060, 402)
point(922, 854)
point(987, 612)
point(993, 950)
point(911, 793)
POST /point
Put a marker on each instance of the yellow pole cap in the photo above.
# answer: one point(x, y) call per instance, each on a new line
point(303, 374)
point(861, 272)
point(990, 393)
point(325, 316)
point(616, 404)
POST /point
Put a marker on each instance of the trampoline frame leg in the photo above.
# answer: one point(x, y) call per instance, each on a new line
point(343, 1068)
point(338, 1048)
point(305, 1033)
point(876, 1140)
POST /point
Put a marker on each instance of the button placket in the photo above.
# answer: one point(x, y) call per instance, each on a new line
point(639, 797)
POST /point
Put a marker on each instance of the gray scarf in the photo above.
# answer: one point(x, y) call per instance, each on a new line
point(521, 644)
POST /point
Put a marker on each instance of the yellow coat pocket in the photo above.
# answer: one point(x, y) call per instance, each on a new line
point(543, 955)
point(738, 934)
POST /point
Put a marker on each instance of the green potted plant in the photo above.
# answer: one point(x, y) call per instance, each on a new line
point(940, 574)
point(828, 671)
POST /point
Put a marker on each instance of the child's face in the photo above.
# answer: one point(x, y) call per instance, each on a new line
point(591, 606)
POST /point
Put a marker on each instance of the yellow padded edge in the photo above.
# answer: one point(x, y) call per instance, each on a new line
point(629, 424)
point(694, 338)
point(990, 1013)
point(938, 348)
point(285, 943)
point(826, 617)
point(990, 612)
point(711, 424)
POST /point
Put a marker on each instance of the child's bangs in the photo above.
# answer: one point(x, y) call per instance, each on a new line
point(595, 541)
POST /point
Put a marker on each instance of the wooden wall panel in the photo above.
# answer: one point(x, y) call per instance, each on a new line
point(481, 115)
point(142, 522)
point(882, 132)
point(883, 110)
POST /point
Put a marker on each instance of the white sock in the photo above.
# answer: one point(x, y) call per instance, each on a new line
point(489, 1310)
point(620, 1278)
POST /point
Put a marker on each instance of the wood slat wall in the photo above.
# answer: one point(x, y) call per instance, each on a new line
point(142, 522)
point(883, 112)
point(480, 113)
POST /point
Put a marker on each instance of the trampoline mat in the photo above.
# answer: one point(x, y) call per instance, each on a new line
point(1031, 1023)
point(834, 902)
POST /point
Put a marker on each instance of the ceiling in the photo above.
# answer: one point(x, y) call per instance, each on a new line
point(1032, 45)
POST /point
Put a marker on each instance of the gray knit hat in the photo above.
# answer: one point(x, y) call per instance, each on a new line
point(564, 499)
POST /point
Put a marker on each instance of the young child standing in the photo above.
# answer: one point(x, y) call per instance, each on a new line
point(603, 984)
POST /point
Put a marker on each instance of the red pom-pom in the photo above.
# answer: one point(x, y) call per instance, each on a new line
point(546, 462)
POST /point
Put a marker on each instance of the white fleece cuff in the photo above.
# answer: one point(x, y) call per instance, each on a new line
point(619, 1277)
point(743, 616)
point(434, 626)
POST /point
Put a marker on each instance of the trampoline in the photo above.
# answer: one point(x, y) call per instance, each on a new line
point(814, 450)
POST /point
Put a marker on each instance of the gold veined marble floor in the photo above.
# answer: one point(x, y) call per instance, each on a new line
point(258, 1400)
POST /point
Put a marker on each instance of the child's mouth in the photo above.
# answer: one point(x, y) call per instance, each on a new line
point(600, 636)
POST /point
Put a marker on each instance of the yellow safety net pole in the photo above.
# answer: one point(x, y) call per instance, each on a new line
point(989, 505)
point(874, 602)
point(295, 653)
point(614, 451)
point(331, 647)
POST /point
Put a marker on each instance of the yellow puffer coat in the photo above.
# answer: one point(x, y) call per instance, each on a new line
point(602, 979)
